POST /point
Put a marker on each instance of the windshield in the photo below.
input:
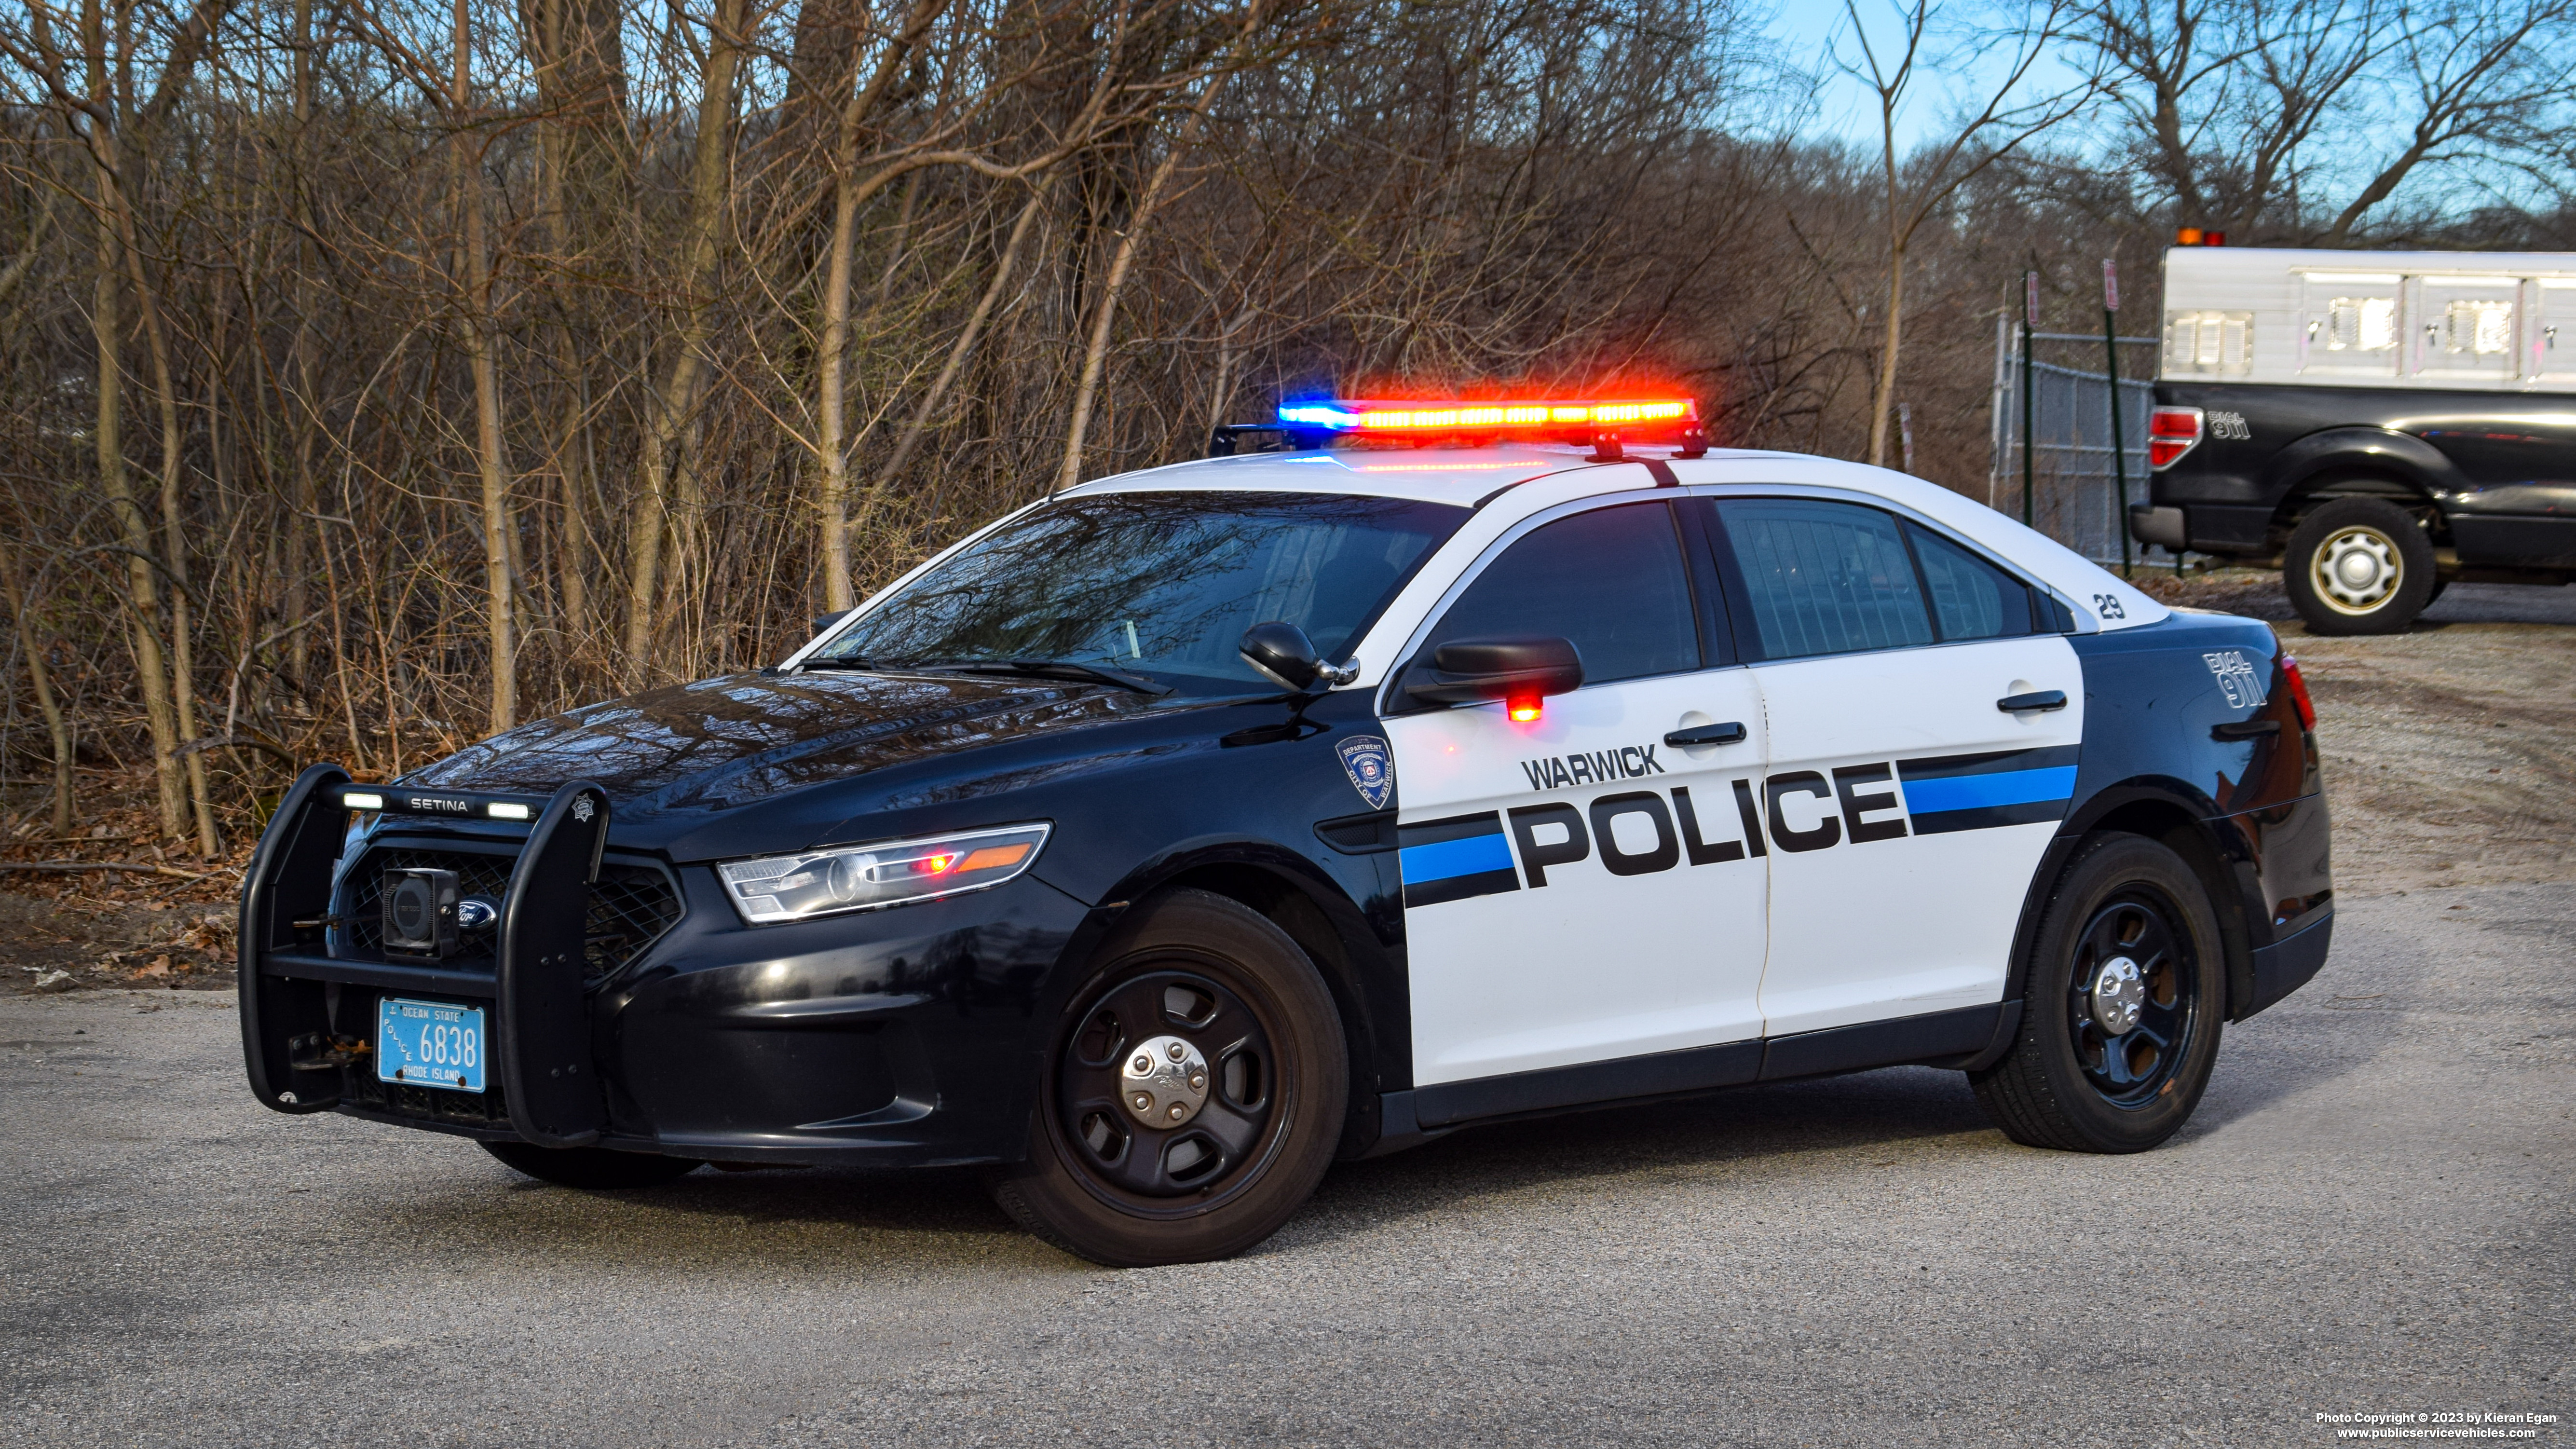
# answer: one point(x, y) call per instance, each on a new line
point(1158, 584)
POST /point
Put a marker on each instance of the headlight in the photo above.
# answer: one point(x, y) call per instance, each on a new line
point(851, 878)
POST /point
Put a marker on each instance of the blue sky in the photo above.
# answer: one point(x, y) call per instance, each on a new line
point(1801, 33)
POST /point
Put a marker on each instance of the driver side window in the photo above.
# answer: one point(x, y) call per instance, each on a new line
point(1612, 580)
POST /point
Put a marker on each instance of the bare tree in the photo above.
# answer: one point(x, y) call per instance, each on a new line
point(2244, 111)
point(2013, 113)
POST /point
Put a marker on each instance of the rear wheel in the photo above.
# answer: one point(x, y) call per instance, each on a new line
point(1192, 1095)
point(2121, 1010)
point(594, 1168)
point(2359, 566)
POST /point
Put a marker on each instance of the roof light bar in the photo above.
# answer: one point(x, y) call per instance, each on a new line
point(1356, 415)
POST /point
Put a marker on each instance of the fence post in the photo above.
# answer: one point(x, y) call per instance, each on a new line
point(2029, 320)
point(2111, 374)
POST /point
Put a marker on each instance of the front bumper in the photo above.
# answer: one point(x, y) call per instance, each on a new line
point(906, 1036)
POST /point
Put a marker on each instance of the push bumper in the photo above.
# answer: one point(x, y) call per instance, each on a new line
point(898, 1037)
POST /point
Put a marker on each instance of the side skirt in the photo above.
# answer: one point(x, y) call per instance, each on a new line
point(1957, 1038)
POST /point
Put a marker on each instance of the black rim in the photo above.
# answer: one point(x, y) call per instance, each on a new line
point(1157, 1171)
point(2130, 1067)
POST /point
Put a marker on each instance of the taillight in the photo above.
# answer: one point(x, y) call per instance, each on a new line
point(2299, 692)
point(2171, 432)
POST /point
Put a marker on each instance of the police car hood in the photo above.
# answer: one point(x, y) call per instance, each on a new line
point(671, 758)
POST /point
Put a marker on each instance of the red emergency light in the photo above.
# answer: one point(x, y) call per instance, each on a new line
point(1530, 417)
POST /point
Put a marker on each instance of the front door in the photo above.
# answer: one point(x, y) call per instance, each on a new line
point(1575, 888)
point(1906, 811)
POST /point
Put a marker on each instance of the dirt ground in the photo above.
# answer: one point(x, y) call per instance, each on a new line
point(2450, 760)
point(2450, 749)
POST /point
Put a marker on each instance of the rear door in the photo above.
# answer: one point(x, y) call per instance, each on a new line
point(1905, 810)
point(1576, 889)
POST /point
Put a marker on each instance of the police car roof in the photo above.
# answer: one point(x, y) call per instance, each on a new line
point(1468, 477)
point(1462, 476)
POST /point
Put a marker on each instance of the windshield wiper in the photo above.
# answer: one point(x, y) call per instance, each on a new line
point(846, 661)
point(1100, 672)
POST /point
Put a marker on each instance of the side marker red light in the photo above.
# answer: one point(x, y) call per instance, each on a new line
point(2299, 692)
point(1523, 710)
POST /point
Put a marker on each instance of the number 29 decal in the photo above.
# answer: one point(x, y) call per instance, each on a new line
point(2108, 605)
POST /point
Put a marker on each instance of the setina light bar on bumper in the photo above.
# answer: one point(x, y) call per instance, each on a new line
point(1536, 417)
point(435, 804)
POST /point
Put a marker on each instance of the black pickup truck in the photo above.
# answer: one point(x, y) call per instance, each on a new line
point(2372, 494)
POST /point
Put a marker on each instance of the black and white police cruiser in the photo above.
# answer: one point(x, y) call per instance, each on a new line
point(1168, 839)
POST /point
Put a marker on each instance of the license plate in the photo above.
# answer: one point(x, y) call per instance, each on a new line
point(430, 1044)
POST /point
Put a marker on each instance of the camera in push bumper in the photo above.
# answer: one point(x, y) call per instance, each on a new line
point(421, 913)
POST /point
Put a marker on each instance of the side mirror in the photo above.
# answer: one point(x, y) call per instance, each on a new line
point(1465, 671)
point(1287, 658)
point(823, 623)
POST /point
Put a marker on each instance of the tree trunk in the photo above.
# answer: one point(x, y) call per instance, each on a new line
point(1892, 335)
point(151, 668)
point(1095, 353)
point(958, 352)
point(57, 729)
point(709, 196)
point(500, 531)
point(301, 415)
point(849, 192)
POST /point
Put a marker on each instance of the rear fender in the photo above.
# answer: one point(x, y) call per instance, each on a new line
point(2358, 462)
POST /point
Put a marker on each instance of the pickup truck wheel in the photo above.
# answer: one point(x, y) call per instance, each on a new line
point(1192, 1095)
point(2121, 1009)
point(594, 1168)
point(2359, 566)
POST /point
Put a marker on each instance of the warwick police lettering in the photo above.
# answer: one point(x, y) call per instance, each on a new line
point(1558, 772)
point(1465, 856)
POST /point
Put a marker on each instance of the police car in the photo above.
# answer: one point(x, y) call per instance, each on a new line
point(1172, 837)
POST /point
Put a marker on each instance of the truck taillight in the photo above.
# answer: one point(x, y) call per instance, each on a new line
point(2171, 432)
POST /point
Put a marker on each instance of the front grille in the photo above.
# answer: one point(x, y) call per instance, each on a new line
point(631, 906)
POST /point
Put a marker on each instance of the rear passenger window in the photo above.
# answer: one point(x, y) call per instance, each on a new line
point(1823, 578)
point(1611, 580)
point(1971, 598)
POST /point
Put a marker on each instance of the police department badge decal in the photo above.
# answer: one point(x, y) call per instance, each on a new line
point(1366, 760)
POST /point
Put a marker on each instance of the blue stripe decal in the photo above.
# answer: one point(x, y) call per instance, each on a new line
point(1443, 859)
point(1973, 792)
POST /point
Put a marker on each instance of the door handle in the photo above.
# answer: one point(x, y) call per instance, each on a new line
point(2037, 699)
point(1729, 733)
point(2245, 729)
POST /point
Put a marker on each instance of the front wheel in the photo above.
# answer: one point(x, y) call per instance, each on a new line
point(2121, 1009)
point(1192, 1095)
point(2359, 566)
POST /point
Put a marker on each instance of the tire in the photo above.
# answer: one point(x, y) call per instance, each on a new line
point(1109, 1175)
point(593, 1168)
point(2067, 1082)
point(2359, 566)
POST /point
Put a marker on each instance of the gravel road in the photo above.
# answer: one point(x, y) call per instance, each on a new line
point(2370, 1213)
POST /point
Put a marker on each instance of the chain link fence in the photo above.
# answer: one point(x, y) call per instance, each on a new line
point(2074, 489)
